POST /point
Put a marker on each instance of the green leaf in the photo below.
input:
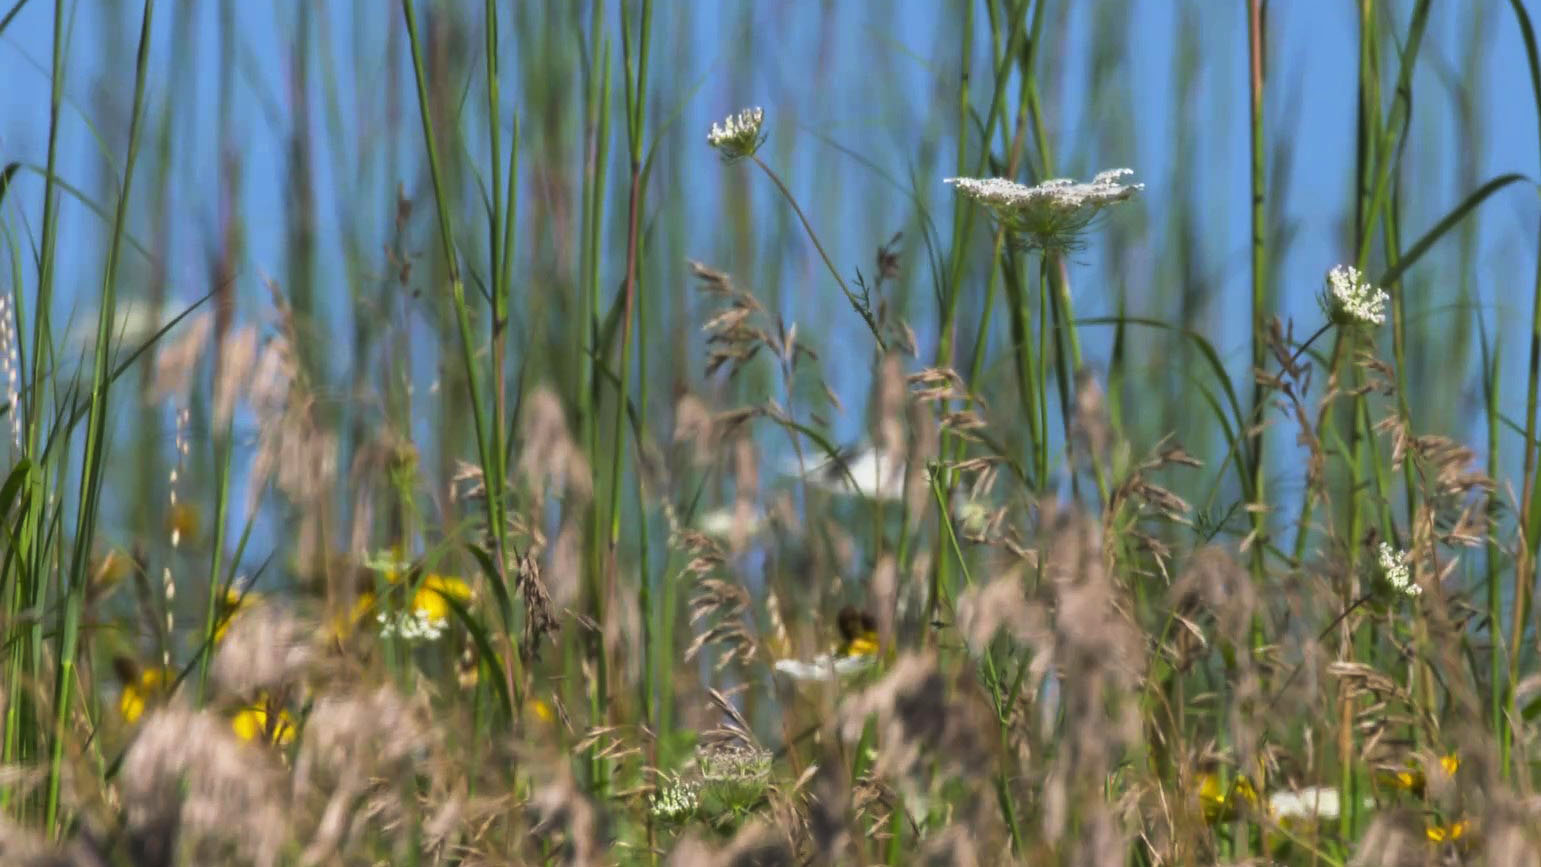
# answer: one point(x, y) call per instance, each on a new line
point(1212, 358)
point(5, 178)
point(484, 649)
point(5, 22)
point(13, 482)
point(1422, 245)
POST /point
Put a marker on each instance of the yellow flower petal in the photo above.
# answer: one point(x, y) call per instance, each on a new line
point(542, 711)
point(135, 697)
point(251, 723)
point(1447, 833)
point(862, 645)
point(429, 599)
point(234, 603)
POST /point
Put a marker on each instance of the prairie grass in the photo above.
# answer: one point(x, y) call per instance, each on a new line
point(530, 507)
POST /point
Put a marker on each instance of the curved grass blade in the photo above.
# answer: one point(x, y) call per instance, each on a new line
point(1422, 245)
point(5, 178)
point(1211, 357)
point(483, 647)
point(11, 13)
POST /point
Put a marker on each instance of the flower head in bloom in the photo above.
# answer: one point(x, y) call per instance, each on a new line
point(1447, 833)
point(431, 598)
point(1053, 214)
point(255, 722)
point(1313, 803)
point(825, 667)
point(739, 135)
point(424, 616)
point(858, 632)
point(411, 626)
point(733, 762)
point(428, 616)
point(867, 472)
point(857, 651)
point(140, 689)
point(1221, 805)
point(1393, 565)
point(1349, 299)
point(1412, 777)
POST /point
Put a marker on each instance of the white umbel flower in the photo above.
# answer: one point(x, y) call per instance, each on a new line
point(1053, 214)
point(739, 135)
point(675, 801)
point(411, 626)
point(1312, 802)
point(1351, 300)
point(869, 473)
point(730, 523)
point(1393, 564)
point(825, 667)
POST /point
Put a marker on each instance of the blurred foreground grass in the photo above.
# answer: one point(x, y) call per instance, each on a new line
point(495, 528)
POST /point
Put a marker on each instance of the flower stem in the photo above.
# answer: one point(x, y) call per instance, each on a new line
point(857, 303)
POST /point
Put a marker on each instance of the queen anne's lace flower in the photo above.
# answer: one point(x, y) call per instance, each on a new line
point(1311, 803)
point(1393, 564)
point(415, 625)
point(1053, 214)
point(739, 135)
point(825, 667)
point(675, 801)
point(1351, 300)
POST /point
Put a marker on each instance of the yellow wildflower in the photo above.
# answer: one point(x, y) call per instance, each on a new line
point(429, 601)
point(139, 692)
point(252, 722)
point(1447, 833)
point(542, 711)
point(1219, 805)
point(858, 632)
point(234, 602)
point(1412, 778)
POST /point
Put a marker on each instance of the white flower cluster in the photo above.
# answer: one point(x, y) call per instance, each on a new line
point(869, 473)
point(1053, 214)
point(1351, 300)
point(733, 763)
point(824, 667)
point(10, 367)
point(1312, 802)
point(739, 135)
point(415, 625)
point(675, 801)
point(1394, 564)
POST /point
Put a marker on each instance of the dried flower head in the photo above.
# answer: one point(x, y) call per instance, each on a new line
point(265, 648)
point(739, 135)
point(1053, 214)
point(1349, 299)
